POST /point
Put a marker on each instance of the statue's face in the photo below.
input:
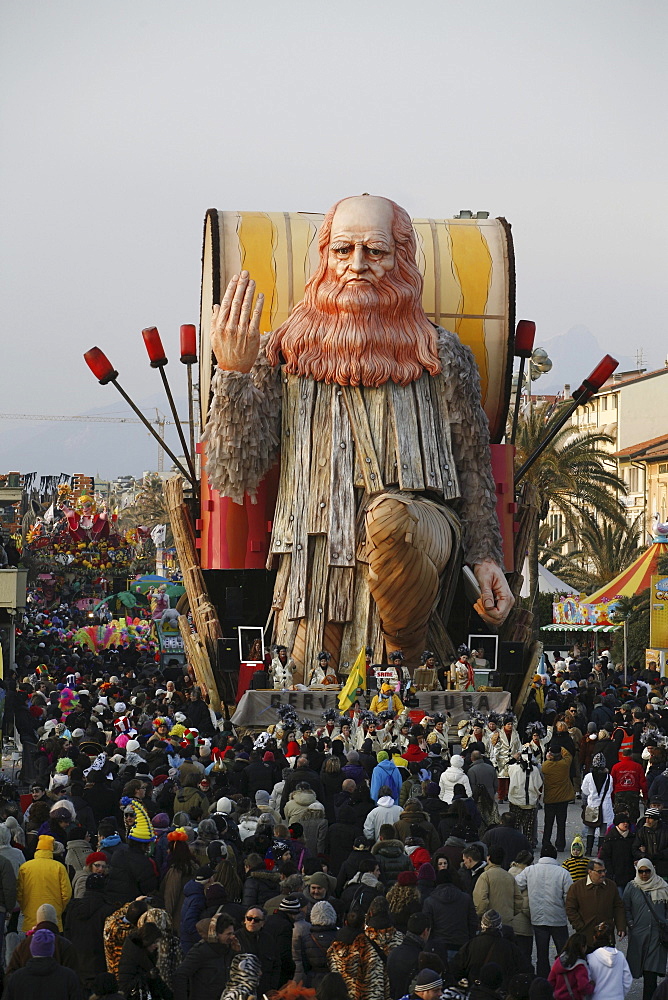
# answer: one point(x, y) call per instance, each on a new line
point(361, 248)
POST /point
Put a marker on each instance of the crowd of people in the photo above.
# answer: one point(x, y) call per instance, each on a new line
point(148, 850)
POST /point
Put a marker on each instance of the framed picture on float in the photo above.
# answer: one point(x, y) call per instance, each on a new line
point(251, 644)
point(485, 652)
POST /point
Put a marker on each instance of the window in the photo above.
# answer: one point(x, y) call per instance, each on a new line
point(613, 402)
point(604, 403)
point(633, 479)
point(663, 467)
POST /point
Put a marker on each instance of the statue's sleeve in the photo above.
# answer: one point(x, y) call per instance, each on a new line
point(243, 428)
point(469, 429)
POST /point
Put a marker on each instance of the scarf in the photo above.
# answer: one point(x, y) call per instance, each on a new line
point(654, 885)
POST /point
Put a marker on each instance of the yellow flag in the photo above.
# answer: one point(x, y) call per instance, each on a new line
point(356, 679)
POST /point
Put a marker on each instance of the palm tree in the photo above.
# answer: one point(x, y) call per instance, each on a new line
point(571, 475)
point(606, 548)
point(633, 613)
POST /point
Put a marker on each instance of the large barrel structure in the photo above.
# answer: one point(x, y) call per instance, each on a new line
point(469, 288)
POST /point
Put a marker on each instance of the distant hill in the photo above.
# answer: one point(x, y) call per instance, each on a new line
point(574, 355)
point(99, 449)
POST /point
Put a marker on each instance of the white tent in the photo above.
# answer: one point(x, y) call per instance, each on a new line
point(548, 583)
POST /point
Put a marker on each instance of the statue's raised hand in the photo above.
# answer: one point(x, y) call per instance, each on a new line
point(235, 325)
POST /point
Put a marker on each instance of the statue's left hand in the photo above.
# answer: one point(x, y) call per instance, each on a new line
point(496, 600)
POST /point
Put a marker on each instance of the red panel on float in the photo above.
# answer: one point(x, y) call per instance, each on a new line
point(502, 456)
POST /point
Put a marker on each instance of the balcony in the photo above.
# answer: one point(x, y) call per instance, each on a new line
point(13, 588)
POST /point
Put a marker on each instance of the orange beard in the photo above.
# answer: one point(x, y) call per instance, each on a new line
point(359, 334)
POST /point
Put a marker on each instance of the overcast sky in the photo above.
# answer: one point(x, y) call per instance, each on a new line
point(123, 121)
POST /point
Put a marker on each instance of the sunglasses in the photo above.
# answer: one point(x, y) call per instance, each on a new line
point(254, 920)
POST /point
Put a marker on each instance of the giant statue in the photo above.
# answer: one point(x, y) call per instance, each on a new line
point(385, 480)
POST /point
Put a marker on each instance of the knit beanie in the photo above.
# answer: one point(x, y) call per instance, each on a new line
point(426, 872)
point(491, 921)
point(427, 979)
point(45, 843)
point(42, 943)
point(323, 914)
point(381, 756)
point(95, 856)
point(224, 805)
point(407, 878)
point(141, 832)
point(46, 914)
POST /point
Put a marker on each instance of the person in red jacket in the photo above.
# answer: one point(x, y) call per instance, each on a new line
point(628, 784)
point(569, 976)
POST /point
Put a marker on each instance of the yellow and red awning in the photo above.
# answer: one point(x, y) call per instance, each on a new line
point(636, 578)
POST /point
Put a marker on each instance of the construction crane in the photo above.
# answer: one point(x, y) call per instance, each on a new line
point(160, 422)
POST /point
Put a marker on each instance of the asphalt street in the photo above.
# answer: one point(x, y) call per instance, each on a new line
point(573, 827)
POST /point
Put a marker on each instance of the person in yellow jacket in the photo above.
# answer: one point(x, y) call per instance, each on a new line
point(386, 701)
point(42, 880)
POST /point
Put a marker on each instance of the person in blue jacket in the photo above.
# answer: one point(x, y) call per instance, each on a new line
point(385, 773)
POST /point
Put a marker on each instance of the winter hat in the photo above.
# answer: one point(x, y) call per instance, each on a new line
point(407, 878)
point(591, 727)
point(656, 813)
point(46, 914)
point(291, 904)
point(142, 830)
point(353, 757)
point(268, 757)
point(457, 761)
point(318, 878)
point(577, 845)
point(45, 843)
point(161, 821)
point(323, 914)
point(216, 850)
point(432, 788)
point(261, 797)
point(204, 873)
point(132, 745)
point(426, 872)
point(95, 856)
point(381, 756)
point(428, 980)
point(598, 761)
point(42, 943)
point(491, 921)
point(224, 805)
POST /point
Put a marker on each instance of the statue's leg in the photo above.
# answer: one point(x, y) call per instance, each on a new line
point(408, 545)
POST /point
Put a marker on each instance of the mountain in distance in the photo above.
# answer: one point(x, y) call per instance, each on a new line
point(104, 450)
point(574, 355)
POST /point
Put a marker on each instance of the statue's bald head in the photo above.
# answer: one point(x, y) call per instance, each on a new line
point(361, 321)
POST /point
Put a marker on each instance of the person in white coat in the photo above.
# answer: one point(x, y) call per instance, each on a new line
point(596, 793)
point(547, 885)
point(524, 790)
point(608, 967)
point(385, 812)
point(453, 775)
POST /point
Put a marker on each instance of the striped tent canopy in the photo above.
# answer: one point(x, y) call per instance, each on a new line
point(636, 578)
point(580, 628)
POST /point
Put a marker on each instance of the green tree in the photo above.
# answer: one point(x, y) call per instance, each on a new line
point(606, 549)
point(148, 508)
point(572, 474)
point(635, 612)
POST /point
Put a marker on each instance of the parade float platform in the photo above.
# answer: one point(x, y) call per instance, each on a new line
point(257, 709)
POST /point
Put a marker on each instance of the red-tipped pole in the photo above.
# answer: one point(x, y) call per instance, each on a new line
point(158, 359)
point(525, 334)
point(104, 372)
point(592, 384)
